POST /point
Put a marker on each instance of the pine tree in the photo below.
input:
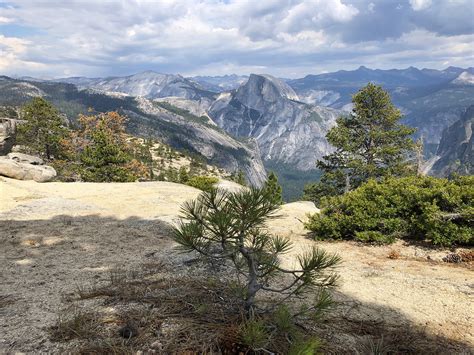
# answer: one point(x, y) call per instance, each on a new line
point(106, 155)
point(224, 226)
point(273, 188)
point(370, 143)
point(43, 130)
point(183, 175)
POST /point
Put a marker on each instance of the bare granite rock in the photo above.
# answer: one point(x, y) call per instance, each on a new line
point(25, 158)
point(267, 110)
point(24, 167)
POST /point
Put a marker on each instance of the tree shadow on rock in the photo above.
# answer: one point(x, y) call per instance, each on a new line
point(45, 260)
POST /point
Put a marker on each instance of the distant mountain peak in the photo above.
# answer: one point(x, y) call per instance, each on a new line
point(268, 87)
point(150, 71)
point(465, 78)
point(453, 70)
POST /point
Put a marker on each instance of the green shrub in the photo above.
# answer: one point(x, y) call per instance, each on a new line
point(414, 208)
point(374, 237)
point(204, 183)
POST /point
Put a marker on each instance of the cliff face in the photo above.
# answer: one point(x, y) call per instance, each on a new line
point(456, 149)
point(204, 138)
point(287, 130)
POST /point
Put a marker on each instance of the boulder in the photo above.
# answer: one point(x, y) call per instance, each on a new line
point(229, 186)
point(25, 171)
point(25, 158)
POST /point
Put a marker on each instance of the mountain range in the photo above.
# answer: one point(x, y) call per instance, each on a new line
point(260, 119)
point(430, 99)
point(146, 118)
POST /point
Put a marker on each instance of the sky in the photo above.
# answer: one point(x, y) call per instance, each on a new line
point(285, 38)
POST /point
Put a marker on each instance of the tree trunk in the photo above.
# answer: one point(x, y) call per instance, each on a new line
point(48, 152)
point(252, 284)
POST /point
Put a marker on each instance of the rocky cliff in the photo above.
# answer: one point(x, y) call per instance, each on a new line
point(456, 150)
point(202, 137)
point(287, 131)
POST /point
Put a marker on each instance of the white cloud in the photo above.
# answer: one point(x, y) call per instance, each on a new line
point(419, 5)
point(286, 38)
point(11, 51)
point(4, 20)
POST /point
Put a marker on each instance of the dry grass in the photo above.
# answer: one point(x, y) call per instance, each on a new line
point(394, 254)
point(197, 314)
point(75, 323)
point(170, 315)
point(184, 314)
point(106, 346)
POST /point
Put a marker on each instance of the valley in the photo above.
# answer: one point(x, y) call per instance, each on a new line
point(244, 123)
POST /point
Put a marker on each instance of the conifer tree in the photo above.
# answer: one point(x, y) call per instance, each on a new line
point(183, 175)
point(224, 226)
point(43, 129)
point(273, 188)
point(106, 155)
point(239, 178)
point(369, 143)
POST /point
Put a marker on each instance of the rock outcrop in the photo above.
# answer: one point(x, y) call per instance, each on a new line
point(287, 130)
point(7, 135)
point(25, 167)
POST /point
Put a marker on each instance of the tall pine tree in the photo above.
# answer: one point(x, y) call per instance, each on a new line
point(43, 129)
point(369, 143)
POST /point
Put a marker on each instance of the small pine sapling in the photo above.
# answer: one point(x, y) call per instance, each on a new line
point(231, 226)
